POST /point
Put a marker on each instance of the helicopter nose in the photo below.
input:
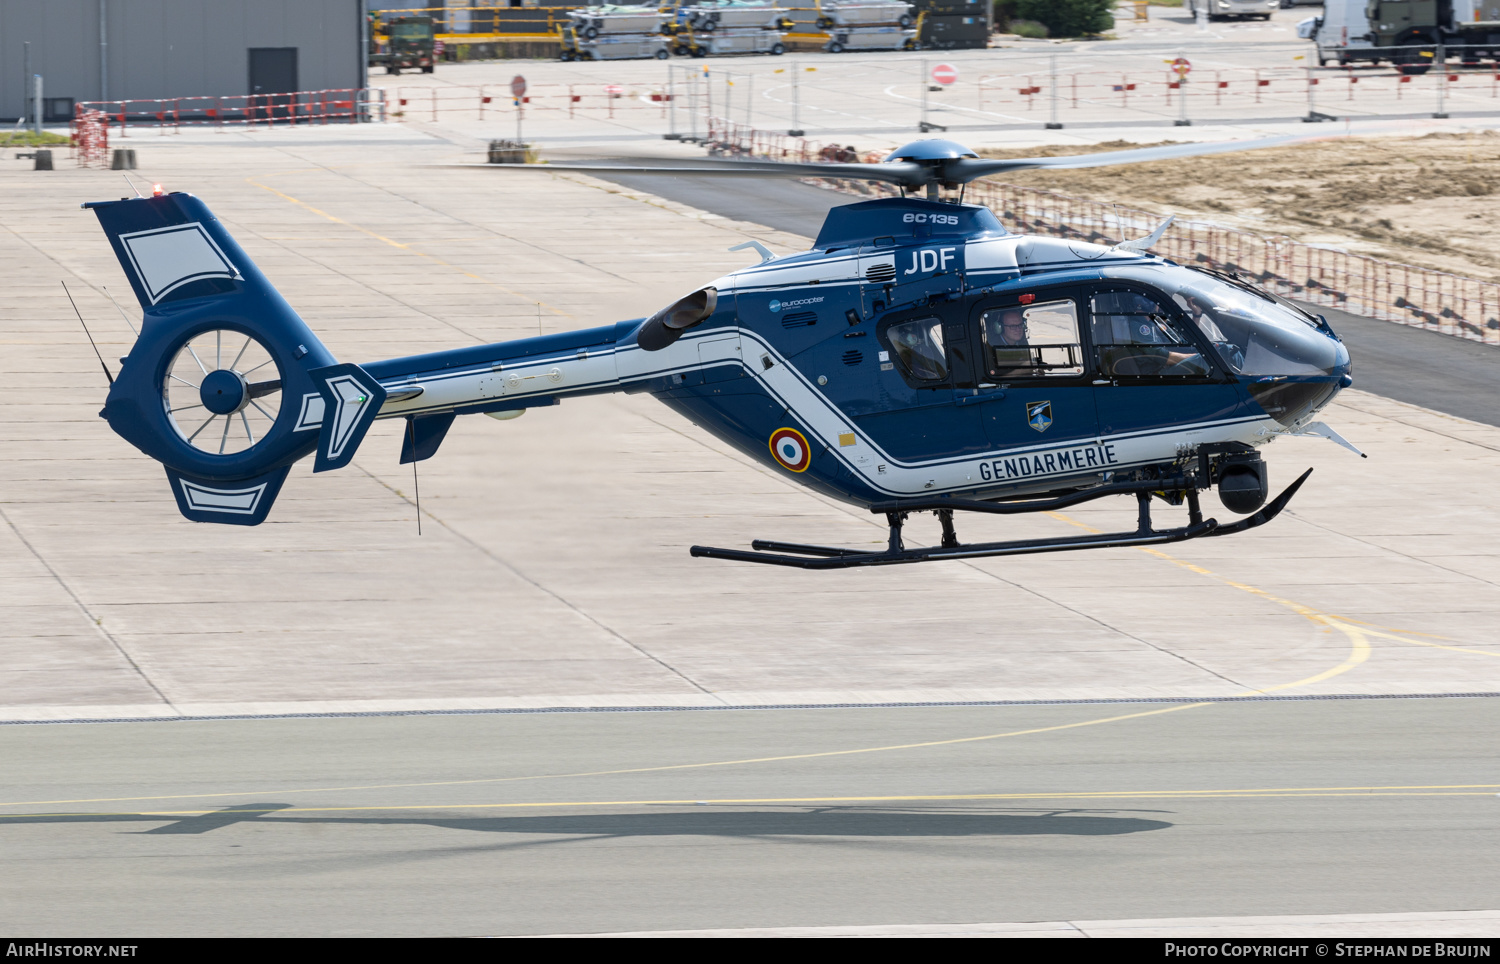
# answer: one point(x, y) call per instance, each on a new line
point(1311, 371)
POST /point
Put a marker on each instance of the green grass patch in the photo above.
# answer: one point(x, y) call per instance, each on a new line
point(32, 139)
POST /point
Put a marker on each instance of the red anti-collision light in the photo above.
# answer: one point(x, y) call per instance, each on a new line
point(156, 190)
point(1027, 299)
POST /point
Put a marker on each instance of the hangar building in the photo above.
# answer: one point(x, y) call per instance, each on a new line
point(90, 50)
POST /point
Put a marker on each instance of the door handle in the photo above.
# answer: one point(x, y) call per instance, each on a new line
point(980, 399)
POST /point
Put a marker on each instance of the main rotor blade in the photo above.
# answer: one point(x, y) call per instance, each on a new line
point(898, 172)
point(964, 169)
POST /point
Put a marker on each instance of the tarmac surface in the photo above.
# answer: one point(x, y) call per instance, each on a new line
point(857, 821)
point(553, 572)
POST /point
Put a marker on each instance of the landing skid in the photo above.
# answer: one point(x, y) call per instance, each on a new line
point(896, 552)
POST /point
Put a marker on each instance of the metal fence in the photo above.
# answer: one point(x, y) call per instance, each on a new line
point(485, 24)
point(1362, 285)
point(1312, 273)
point(345, 105)
point(432, 103)
point(1323, 92)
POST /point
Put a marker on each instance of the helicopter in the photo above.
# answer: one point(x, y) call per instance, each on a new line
point(918, 358)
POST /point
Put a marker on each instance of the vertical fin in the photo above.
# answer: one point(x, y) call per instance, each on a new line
point(424, 433)
point(351, 400)
point(242, 502)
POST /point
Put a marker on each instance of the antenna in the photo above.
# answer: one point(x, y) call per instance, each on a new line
point(121, 311)
point(539, 319)
point(132, 184)
point(87, 332)
point(411, 429)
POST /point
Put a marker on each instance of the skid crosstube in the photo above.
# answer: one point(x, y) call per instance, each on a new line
point(802, 556)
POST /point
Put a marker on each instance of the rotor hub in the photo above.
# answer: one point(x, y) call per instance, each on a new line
point(930, 149)
point(224, 392)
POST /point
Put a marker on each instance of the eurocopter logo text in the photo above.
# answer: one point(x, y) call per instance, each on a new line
point(776, 306)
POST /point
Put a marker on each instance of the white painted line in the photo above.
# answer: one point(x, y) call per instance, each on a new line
point(1451, 927)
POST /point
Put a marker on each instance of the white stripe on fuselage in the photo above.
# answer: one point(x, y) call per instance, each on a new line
point(1044, 461)
point(988, 261)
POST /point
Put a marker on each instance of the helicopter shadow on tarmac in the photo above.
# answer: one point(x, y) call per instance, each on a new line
point(792, 821)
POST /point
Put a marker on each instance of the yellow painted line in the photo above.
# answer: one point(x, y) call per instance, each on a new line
point(1442, 790)
point(658, 769)
point(1360, 648)
point(1355, 629)
point(1419, 642)
point(1359, 652)
point(406, 247)
point(1392, 629)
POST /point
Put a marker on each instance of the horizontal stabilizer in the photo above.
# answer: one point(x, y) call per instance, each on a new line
point(351, 400)
point(243, 502)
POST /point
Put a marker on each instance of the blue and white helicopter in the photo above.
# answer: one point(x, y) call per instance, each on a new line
point(920, 358)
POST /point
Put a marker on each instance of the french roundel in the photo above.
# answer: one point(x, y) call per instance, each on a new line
point(790, 450)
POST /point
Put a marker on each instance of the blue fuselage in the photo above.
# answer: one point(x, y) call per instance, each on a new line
point(920, 350)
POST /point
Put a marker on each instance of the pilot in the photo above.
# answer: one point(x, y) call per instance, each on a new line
point(1012, 329)
point(1206, 317)
point(1008, 341)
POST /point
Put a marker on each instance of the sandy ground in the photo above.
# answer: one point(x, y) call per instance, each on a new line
point(1427, 200)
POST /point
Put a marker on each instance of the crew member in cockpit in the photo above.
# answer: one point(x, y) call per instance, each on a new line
point(1012, 329)
point(1007, 339)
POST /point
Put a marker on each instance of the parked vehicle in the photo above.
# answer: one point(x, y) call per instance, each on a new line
point(871, 38)
point(612, 32)
point(868, 25)
point(1404, 32)
point(411, 44)
point(1222, 9)
point(1342, 34)
point(711, 15)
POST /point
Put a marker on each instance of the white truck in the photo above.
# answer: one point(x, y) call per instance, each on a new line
point(1341, 33)
point(1220, 9)
point(1404, 32)
point(614, 32)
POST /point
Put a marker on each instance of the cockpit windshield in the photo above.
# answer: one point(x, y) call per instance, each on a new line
point(1254, 335)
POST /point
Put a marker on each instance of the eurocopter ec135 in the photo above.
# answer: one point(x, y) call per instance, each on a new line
point(919, 358)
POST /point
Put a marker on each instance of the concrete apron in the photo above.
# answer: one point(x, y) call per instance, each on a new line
point(553, 568)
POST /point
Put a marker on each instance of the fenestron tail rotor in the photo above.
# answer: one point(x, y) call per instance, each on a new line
point(222, 391)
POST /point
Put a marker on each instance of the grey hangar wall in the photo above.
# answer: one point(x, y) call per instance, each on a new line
point(174, 48)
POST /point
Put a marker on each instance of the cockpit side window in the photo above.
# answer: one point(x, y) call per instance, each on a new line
point(918, 347)
point(1032, 341)
point(1136, 337)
